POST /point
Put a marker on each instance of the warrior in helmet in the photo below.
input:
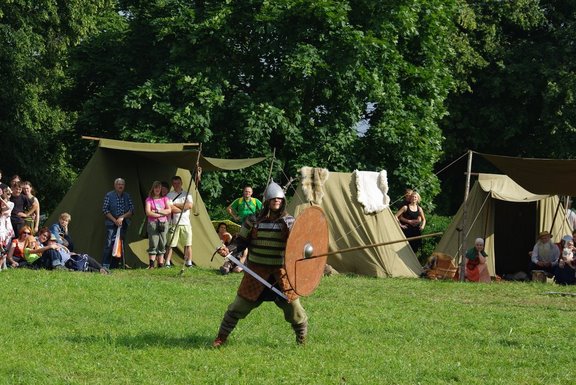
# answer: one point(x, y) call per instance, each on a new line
point(265, 235)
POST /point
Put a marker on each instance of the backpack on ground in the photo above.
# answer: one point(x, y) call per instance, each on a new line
point(78, 262)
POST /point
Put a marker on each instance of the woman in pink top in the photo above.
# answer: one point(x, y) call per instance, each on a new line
point(158, 209)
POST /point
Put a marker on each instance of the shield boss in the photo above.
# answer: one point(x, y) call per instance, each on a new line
point(309, 230)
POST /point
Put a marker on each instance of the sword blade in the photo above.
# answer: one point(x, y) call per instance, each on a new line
point(255, 275)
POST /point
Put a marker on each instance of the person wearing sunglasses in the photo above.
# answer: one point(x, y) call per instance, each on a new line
point(16, 255)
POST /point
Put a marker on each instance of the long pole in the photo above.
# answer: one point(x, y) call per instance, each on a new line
point(193, 177)
point(374, 245)
point(465, 217)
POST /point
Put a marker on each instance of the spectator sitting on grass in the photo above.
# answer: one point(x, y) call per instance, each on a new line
point(60, 231)
point(57, 257)
point(545, 254)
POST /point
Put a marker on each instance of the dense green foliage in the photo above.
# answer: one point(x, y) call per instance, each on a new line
point(521, 99)
point(35, 40)
point(334, 83)
point(155, 327)
point(246, 78)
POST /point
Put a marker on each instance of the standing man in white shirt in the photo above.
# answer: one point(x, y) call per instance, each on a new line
point(180, 224)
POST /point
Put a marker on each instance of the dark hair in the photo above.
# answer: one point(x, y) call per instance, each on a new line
point(265, 212)
point(176, 177)
point(43, 230)
point(165, 184)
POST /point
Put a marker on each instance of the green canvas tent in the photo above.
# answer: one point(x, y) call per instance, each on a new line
point(139, 164)
point(509, 218)
point(350, 227)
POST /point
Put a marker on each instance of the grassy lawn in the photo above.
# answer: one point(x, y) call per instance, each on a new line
point(156, 327)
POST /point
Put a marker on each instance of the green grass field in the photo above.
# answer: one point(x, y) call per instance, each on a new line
point(156, 327)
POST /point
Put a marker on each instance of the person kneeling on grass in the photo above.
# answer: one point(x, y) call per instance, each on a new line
point(475, 259)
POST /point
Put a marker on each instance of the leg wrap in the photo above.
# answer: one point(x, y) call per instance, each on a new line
point(237, 310)
point(228, 324)
point(301, 330)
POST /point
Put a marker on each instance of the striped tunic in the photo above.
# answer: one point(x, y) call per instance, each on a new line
point(266, 239)
point(267, 243)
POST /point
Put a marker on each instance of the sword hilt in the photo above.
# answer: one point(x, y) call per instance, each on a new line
point(216, 251)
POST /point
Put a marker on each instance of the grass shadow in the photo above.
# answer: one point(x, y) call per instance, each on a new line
point(145, 340)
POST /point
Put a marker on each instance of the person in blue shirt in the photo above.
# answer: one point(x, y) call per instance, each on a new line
point(60, 231)
point(117, 210)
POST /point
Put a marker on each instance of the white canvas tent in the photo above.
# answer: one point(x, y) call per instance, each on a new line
point(509, 218)
point(350, 227)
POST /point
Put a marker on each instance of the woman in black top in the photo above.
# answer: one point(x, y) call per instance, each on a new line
point(412, 220)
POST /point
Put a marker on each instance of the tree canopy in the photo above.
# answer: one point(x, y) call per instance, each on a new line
point(523, 94)
point(341, 84)
point(520, 96)
point(35, 39)
point(295, 76)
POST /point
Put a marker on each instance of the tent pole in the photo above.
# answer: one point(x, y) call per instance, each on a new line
point(196, 177)
point(462, 248)
point(555, 215)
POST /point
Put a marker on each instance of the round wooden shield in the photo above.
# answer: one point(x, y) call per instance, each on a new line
point(308, 238)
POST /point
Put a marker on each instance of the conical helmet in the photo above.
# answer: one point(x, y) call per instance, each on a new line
point(274, 191)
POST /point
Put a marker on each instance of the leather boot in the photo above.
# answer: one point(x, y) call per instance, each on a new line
point(219, 341)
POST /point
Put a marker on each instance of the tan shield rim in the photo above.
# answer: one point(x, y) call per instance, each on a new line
point(309, 229)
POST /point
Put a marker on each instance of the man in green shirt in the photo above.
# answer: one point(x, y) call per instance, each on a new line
point(245, 206)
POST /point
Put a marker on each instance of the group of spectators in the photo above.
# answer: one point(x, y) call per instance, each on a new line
point(167, 221)
point(19, 207)
point(551, 260)
point(555, 259)
point(24, 244)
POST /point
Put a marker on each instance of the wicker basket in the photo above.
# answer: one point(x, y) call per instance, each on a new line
point(441, 266)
